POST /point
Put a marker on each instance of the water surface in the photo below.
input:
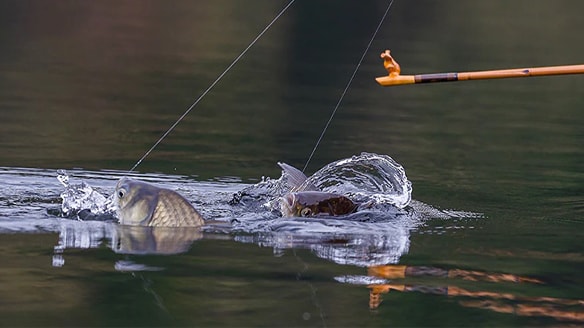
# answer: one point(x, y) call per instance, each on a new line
point(89, 87)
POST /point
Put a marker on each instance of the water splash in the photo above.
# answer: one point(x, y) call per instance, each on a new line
point(368, 177)
point(81, 196)
point(371, 180)
point(262, 195)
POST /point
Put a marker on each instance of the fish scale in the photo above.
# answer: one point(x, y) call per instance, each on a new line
point(172, 210)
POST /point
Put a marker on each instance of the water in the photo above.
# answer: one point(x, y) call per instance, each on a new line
point(88, 87)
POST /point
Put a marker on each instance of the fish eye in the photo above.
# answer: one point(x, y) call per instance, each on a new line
point(305, 211)
point(121, 193)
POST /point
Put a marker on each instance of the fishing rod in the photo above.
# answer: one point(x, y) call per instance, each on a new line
point(394, 70)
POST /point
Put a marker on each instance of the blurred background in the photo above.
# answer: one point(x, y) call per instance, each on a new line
point(93, 85)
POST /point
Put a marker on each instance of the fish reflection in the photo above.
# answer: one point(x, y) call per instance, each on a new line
point(557, 308)
point(153, 240)
point(346, 242)
point(124, 239)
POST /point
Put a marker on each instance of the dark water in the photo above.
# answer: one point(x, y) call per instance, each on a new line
point(90, 86)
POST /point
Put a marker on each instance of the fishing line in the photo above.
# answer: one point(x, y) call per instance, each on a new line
point(348, 85)
point(211, 86)
point(147, 285)
point(313, 290)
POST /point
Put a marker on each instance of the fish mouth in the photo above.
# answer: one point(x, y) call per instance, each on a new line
point(287, 205)
point(118, 213)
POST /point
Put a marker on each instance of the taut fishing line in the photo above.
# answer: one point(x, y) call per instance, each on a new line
point(211, 86)
point(313, 290)
point(306, 315)
point(348, 85)
point(305, 265)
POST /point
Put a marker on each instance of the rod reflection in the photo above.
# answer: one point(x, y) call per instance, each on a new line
point(556, 308)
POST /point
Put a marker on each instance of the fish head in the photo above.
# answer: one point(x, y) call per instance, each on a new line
point(289, 206)
point(135, 201)
point(313, 203)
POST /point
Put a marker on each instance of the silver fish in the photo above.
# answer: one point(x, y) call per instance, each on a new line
point(142, 204)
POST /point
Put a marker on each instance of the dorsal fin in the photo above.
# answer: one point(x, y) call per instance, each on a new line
point(295, 178)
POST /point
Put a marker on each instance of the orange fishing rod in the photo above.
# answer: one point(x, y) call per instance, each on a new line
point(394, 70)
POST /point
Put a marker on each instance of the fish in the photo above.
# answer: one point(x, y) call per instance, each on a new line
point(305, 200)
point(316, 203)
point(142, 204)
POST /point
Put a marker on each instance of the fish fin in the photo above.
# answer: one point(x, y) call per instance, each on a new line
point(296, 180)
point(295, 177)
